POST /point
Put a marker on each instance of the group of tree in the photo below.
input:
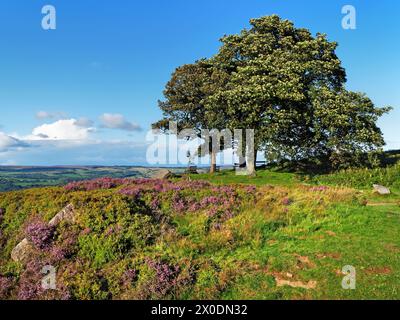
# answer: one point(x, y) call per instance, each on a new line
point(287, 85)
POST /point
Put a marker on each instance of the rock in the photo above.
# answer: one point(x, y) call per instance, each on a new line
point(66, 214)
point(163, 174)
point(193, 170)
point(21, 251)
point(381, 189)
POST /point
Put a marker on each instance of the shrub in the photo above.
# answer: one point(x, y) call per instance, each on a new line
point(40, 234)
point(96, 184)
point(165, 277)
point(2, 212)
point(363, 178)
point(6, 284)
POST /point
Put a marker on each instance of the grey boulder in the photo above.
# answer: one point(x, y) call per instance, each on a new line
point(381, 189)
point(66, 214)
point(163, 174)
point(22, 250)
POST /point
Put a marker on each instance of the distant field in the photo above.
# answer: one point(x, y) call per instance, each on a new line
point(17, 178)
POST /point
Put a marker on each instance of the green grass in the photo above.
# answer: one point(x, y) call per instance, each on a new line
point(264, 177)
point(366, 237)
point(357, 236)
point(363, 178)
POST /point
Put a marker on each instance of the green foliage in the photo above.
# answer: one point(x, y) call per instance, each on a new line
point(286, 84)
point(363, 178)
point(90, 286)
point(289, 86)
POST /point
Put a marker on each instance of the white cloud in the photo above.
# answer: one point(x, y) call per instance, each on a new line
point(69, 129)
point(71, 141)
point(7, 143)
point(117, 121)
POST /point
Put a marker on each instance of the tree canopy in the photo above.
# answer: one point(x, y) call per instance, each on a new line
point(286, 84)
point(186, 95)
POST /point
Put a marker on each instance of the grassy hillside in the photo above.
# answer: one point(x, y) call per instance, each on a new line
point(203, 237)
point(363, 178)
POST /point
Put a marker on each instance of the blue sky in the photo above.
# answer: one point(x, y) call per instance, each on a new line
point(107, 62)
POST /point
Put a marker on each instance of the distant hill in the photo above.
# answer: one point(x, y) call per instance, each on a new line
point(24, 177)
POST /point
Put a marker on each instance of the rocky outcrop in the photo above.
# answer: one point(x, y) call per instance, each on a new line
point(21, 252)
point(381, 189)
point(163, 174)
point(66, 214)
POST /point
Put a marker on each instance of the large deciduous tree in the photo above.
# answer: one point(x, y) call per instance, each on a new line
point(286, 84)
point(289, 86)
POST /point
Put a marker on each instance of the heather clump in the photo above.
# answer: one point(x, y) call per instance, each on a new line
point(57, 253)
point(40, 234)
point(131, 191)
point(129, 276)
point(29, 286)
point(183, 196)
point(287, 201)
point(165, 278)
point(6, 285)
point(2, 213)
point(319, 188)
point(96, 184)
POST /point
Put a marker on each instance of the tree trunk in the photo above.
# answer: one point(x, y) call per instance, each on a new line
point(251, 162)
point(213, 167)
point(241, 152)
point(242, 161)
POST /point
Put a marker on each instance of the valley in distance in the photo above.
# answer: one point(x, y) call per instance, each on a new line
point(25, 177)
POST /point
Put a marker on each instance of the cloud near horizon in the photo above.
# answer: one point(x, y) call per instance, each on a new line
point(8, 143)
point(117, 121)
point(90, 152)
point(73, 141)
